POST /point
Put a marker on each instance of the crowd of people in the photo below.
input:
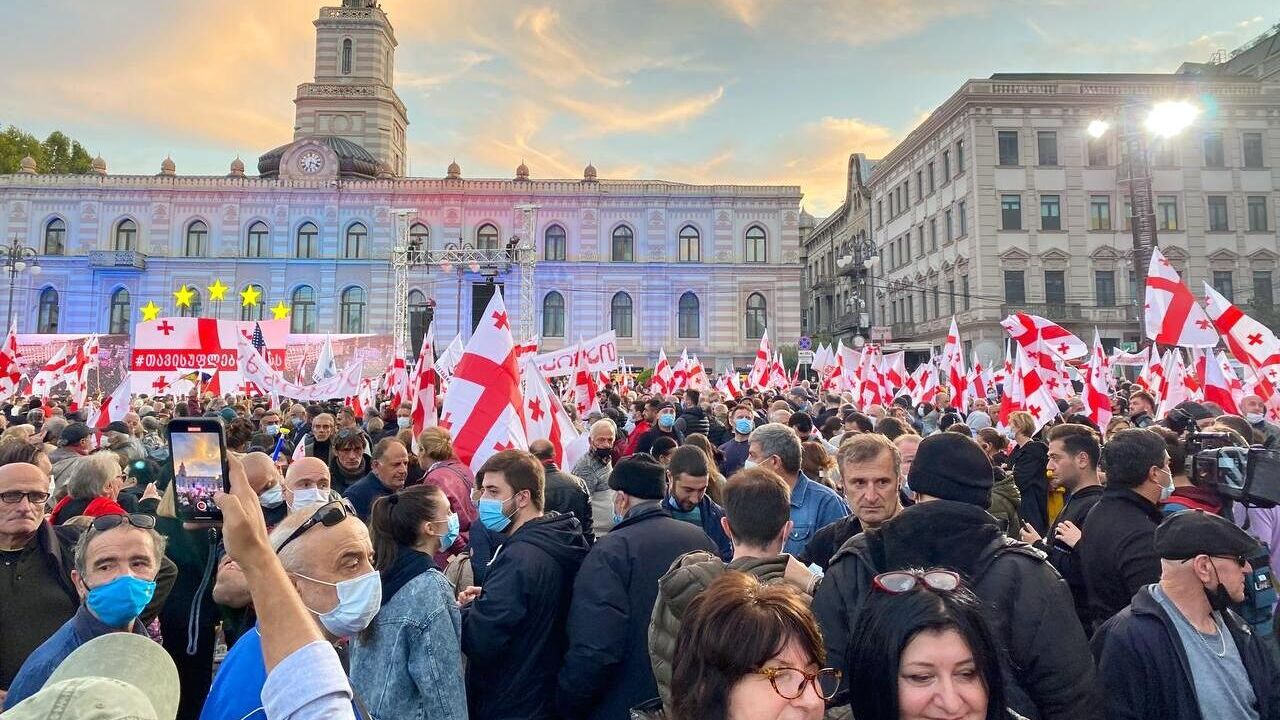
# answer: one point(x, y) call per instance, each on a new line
point(783, 556)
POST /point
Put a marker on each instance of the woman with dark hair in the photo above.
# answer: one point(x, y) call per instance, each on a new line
point(747, 651)
point(922, 649)
point(408, 662)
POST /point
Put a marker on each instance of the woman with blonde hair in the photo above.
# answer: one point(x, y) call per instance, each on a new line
point(443, 469)
point(1029, 459)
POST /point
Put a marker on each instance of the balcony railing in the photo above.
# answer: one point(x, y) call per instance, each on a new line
point(903, 330)
point(1066, 312)
point(848, 322)
point(117, 260)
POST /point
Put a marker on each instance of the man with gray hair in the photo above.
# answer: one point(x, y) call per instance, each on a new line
point(594, 468)
point(813, 506)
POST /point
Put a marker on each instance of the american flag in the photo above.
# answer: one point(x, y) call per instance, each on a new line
point(259, 343)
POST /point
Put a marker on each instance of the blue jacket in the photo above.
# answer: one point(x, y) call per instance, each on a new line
point(80, 629)
point(607, 669)
point(813, 507)
point(408, 663)
point(363, 492)
point(710, 514)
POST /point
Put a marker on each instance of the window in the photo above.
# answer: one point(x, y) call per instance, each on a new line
point(947, 216)
point(1217, 213)
point(959, 157)
point(757, 249)
point(964, 221)
point(55, 237)
point(1046, 145)
point(620, 314)
point(1055, 287)
point(687, 316)
point(1104, 288)
point(47, 316)
point(256, 310)
point(919, 185)
point(879, 213)
point(351, 311)
point(118, 324)
point(487, 237)
point(1099, 212)
point(1163, 153)
point(1263, 295)
point(1127, 217)
point(195, 308)
point(419, 242)
point(756, 316)
point(1050, 212)
point(924, 305)
point(553, 245)
point(690, 245)
point(951, 296)
point(1096, 148)
point(911, 308)
point(197, 239)
point(1214, 153)
point(906, 194)
point(1253, 150)
point(937, 303)
point(354, 246)
point(302, 310)
point(346, 56)
point(946, 166)
point(1015, 287)
point(1223, 284)
point(931, 182)
point(126, 237)
point(421, 312)
point(553, 315)
point(920, 239)
point(308, 236)
point(1007, 144)
point(1167, 212)
point(256, 243)
point(1010, 212)
point(1257, 212)
point(906, 246)
point(965, 290)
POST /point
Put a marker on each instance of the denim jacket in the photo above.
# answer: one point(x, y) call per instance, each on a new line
point(813, 507)
point(408, 664)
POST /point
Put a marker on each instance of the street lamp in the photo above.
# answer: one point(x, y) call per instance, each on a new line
point(15, 261)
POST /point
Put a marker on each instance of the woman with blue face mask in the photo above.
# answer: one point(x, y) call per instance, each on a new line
point(418, 615)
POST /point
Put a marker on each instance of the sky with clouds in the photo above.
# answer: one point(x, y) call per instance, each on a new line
point(747, 91)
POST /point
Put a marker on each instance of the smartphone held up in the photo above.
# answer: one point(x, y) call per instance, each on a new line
point(199, 452)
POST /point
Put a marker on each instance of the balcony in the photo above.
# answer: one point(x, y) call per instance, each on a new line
point(850, 323)
point(1110, 313)
point(822, 283)
point(903, 330)
point(1058, 312)
point(117, 260)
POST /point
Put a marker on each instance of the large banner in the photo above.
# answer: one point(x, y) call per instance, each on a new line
point(601, 352)
point(302, 351)
point(173, 354)
point(37, 349)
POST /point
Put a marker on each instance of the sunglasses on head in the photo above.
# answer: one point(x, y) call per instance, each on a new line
point(138, 520)
point(898, 582)
point(329, 514)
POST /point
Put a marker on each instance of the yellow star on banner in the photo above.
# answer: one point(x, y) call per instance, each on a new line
point(183, 296)
point(280, 311)
point(250, 296)
point(150, 311)
point(218, 291)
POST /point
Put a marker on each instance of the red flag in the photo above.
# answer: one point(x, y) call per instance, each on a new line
point(584, 385)
point(759, 378)
point(1217, 387)
point(114, 407)
point(1035, 396)
point(10, 372)
point(953, 365)
point(1097, 401)
point(1036, 333)
point(545, 417)
point(1172, 315)
point(423, 383)
point(1249, 340)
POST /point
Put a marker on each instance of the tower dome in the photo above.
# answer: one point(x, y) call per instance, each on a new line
point(589, 173)
point(28, 166)
point(167, 167)
point(98, 166)
point(522, 171)
point(237, 168)
point(455, 171)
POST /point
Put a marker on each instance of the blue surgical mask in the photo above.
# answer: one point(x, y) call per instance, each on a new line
point(404, 421)
point(630, 426)
point(121, 600)
point(743, 426)
point(491, 514)
point(297, 422)
point(450, 535)
point(666, 421)
point(358, 601)
point(272, 429)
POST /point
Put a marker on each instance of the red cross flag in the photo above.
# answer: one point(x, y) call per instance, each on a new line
point(10, 372)
point(1249, 340)
point(395, 381)
point(114, 407)
point(1173, 317)
point(1038, 334)
point(50, 375)
point(758, 378)
point(1097, 401)
point(1216, 386)
point(1035, 398)
point(423, 384)
point(728, 384)
point(584, 384)
point(545, 417)
point(663, 377)
point(923, 384)
point(953, 365)
point(893, 373)
point(482, 409)
point(1177, 389)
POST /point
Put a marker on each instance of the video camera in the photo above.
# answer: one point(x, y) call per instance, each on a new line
point(1249, 476)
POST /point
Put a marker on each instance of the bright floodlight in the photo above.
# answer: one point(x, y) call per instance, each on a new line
point(1098, 128)
point(1170, 118)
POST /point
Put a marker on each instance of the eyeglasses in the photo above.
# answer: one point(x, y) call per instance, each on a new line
point(904, 581)
point(328, 515)
point(103, 523)
point(13, 497)
point(790, 682)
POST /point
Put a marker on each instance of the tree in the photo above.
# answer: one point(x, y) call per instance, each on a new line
point(57, 154)
point(15, 145)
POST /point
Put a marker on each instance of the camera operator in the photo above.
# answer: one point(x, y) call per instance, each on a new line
point(1186, 494)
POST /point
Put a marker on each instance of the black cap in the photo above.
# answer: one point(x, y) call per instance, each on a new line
point(74, 433)
point(951, 466)
point(640, 476)
point(117, 426)
point(1197, 411)
point(1189, 533)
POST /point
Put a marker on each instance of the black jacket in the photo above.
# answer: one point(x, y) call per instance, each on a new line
point(645, 443)
point(693, 420)
point(718, 434)
point(1063, 558)
point(514, 634)
point(607, 668)
point(827, 541)
point(1051, 673)
point(567, 494)
point(364, 492)
point(1117, 550)
point(1143, 670)
point(1029, 462)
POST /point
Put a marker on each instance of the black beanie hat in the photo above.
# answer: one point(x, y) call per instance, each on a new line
point(950, 466)
point(640, 476)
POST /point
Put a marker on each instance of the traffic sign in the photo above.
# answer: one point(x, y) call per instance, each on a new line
point(804, 357)
point(805, 343)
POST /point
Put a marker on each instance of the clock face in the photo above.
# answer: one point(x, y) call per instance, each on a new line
point(311, 162)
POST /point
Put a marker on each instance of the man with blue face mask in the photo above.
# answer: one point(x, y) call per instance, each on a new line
point(735, 451)
point(665, 426)
point(117, 560)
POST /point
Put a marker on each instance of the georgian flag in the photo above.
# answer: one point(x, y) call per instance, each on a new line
point(423, 385)
point(759, 378)
point(545, 417)
point(1038, 335)
point(1097, 401)
point(1177, 390)
point(728, 384)
point(51, 374)
point(1214, 383)
point(893, 373)
point(922, 385)
point(584, 385)
point(953, 365)
point(395, 381)
point(663, 379)
point(1249, 340)
point(10, 372)
point(1035, 397)
point(1172, 315)
point(681, 373)
point(449, 358)
point(114, 408)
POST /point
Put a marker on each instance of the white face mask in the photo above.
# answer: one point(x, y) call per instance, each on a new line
point(272, 497)
point(749, 463)
point(358, 601)
point(1254, 418)
point(308, 496)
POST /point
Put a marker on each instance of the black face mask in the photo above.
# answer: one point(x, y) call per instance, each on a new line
point(602, 454)
point(1219, 598)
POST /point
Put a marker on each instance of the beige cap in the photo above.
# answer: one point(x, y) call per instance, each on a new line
point(86, 698)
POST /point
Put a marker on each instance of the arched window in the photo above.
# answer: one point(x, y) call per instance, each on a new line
point(47, 317)
point(688, 316)
point(757, 246)
point(487, 237)
point(346, 56)
point(690, 245)
point(351, 311)
point(196, 308)
point(55, 237)
point(353, 248)
point(620, 314)
point(308, 236)
point(257, 243)
point(756, 316)
point(257, 310)
point(302, 310)
point(553, 315)
point(624, 244)
point(197, 239)
point(553, 245)
point(126, 236)
point(118, 324)
point(419, 241)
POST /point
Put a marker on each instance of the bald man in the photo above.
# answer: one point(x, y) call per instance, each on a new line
point(265, 480)
point(306, 482)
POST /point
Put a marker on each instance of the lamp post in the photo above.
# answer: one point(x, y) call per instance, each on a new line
point(15, 257)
